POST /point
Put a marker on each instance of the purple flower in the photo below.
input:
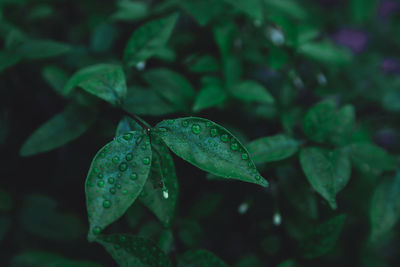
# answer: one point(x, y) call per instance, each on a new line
point(353, 39)
point(390, 65)
point(387, 7)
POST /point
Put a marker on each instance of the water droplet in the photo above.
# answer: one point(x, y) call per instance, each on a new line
point(162, 129)
point(133, 176)
point(129, 157)
point(214, 132)
point(234, 146)
point(123, 166)
point(170, 121)
point(124, 192)
point(242, 209)
point(277, 220)
point(118, 186)
point(165, 194)
point(185, 123)
point(115, 159)
point(96, 170)
point(127, 136)
point(133, 164)
point(141, 65)
point(100, 175)
point(106, 204)
point(113, 191)
point(196, 129)
point(258, 177)
point(100, 183)
point(96, 230)
point(146, 161)
point(208, 124)
point(245, 156)
point(111, 180)
point(224, 138)
point(102, 154)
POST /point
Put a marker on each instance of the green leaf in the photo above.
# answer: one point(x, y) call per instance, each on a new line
point(209, 147)
point(252, 8)
point(362, 10)
point(200, 10)
point(322, 238)
point(251, 91)
point(324, 122)
point(59, 130)
point(205, 63)
point(288, 263)
point(148, 39)
point(160, 193)
point(272, 148)
point(370, 156)
point(210, 95)
point(384, 212)
point(288, 7)
point(224, 35)
point(38, 49)
point(200, 258)
point(127, 125)
point(130, 11)
point(56, 77)
point(46, 259)
point(116, 177)
point(172, 86)
point(105, 81)
point(327, 171)
point(326, 53)
point(40, 217)
point(130, 250)
point(143, 101)
point(8, 59)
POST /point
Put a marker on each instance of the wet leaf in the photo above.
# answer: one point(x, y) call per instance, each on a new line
point(106, 81)
point(148, 39)
point(59, 130)
point(327, 171)
point(209, 147)
point(130, 250)
point(116, 177)
point(200, 258)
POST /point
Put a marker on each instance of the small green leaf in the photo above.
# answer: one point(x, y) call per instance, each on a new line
point(105, 81)
point(8, 59)
point(322, 238)
point(287, 7)
point(130, 11)
point(288, 263)
point(370, 156)
point(209, 147)
point(327, 171)
point(59, 130)
point(210, 95)
point(47, 259)
point(127, 125)
point(130, 250)
point(143, 101)
point(56, 77)
point(200, 258)
point(251, 91)
point(326, 53)
point(148, 39)
point(38, 49)
point(384, 212)
point(252, 8)
point(172, 86)
point(160, 193)
point(116, 177)
point(205, 63)
point(272, 148)
point(200, 10)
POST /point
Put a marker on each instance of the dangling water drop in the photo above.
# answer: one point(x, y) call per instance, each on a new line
point(196, 129)
point(165, 194)
point(123, 166)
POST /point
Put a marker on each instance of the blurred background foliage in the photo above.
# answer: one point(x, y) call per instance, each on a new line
point(311, 87)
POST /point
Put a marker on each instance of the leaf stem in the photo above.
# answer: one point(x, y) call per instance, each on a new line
point(139, 120)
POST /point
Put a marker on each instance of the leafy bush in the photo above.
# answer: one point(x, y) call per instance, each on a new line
point(175, 111)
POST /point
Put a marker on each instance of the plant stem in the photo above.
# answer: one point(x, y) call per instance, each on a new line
point(139, 120)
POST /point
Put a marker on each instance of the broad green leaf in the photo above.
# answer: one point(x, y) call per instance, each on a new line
point(116, 177)
point(205, 63)
point(200, 10)
point(160, 193)
point(362, 10)
point(233, 71)
point(327, 171)
point(59, 130)
point(8, 59)
point(251, 91)
point(272, 148)
point(370, 156)
point(38, 49)
point(384, 212)
point(210, 95)
point(252, 8)
point(47, 259)
point(130, 11)
point(127, 125)
point(209, 147)
point(324, 122)
point(289, 7)
point(143, 101)
point(148, 39)
point(322, 238)
point(56, 77)
point(326, 53)
point(105, 81)
point(40, 217)
point(172, 86)
point(200, 258)
point(130, 250)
